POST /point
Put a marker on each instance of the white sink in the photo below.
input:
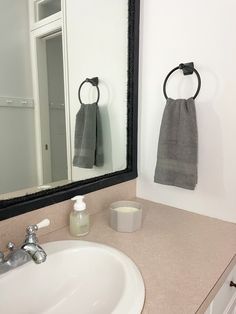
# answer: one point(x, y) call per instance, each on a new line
point(78, 277)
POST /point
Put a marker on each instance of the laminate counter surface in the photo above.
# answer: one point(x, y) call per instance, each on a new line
point(181, 255)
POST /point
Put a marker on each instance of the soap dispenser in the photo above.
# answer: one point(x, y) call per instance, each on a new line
point(79, 217)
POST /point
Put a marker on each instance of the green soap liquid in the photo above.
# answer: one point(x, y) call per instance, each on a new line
point(79, 224)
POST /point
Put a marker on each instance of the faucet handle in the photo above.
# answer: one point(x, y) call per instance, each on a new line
point(43, 223)
point(11, 246)
point(31, 231)
point(33, 228)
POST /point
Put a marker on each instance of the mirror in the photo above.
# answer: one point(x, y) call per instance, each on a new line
point(52, 138)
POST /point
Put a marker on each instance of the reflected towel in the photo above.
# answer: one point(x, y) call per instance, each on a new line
point(178, 145)
point(88, 146)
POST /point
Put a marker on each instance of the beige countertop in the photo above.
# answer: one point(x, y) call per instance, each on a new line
point(181, 255)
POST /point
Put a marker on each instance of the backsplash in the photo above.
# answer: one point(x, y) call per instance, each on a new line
point(13, 229)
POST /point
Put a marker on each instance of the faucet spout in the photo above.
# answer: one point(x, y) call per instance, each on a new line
point(35, 251)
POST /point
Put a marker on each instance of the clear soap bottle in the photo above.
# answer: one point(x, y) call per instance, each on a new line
point(79, 217)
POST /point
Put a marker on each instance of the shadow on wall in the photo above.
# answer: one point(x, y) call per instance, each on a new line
point(107, 142)
point(104, 106)
point(114, 134)
point(210, 137)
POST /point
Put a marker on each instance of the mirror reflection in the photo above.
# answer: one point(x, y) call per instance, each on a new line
point(48, 49)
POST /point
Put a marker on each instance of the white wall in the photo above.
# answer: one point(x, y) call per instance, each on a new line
point(97, 46)
point(204, 32)
point(17, 137)
point(15, 71)
point(17, 157)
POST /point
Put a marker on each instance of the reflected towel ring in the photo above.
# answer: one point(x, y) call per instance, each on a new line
point(94, 81)
point(188, 68)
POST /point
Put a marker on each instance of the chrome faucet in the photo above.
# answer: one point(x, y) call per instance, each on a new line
point(31, 245)
point(30, 250)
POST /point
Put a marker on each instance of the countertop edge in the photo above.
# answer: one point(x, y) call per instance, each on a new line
point(212, 293)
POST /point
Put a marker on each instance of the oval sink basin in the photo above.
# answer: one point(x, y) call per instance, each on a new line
point(78, 277)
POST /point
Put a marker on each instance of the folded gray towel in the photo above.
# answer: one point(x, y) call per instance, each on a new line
point(88, 146)
point(178, 145)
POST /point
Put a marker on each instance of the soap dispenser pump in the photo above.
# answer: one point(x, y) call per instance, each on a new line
point(79, 217)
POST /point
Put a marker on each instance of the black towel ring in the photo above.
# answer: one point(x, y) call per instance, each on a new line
point(94, 81)
point(188, 68)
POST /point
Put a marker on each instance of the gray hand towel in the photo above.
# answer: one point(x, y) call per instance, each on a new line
point(178, 145)
point(88, 148)
point(99, 155)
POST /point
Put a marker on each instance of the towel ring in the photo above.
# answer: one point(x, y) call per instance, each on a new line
point(94, 81)
point(188, 68)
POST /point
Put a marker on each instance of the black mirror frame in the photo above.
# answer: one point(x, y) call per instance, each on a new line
point(20, 205)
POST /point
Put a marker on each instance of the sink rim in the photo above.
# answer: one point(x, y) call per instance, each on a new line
point(132, 299)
